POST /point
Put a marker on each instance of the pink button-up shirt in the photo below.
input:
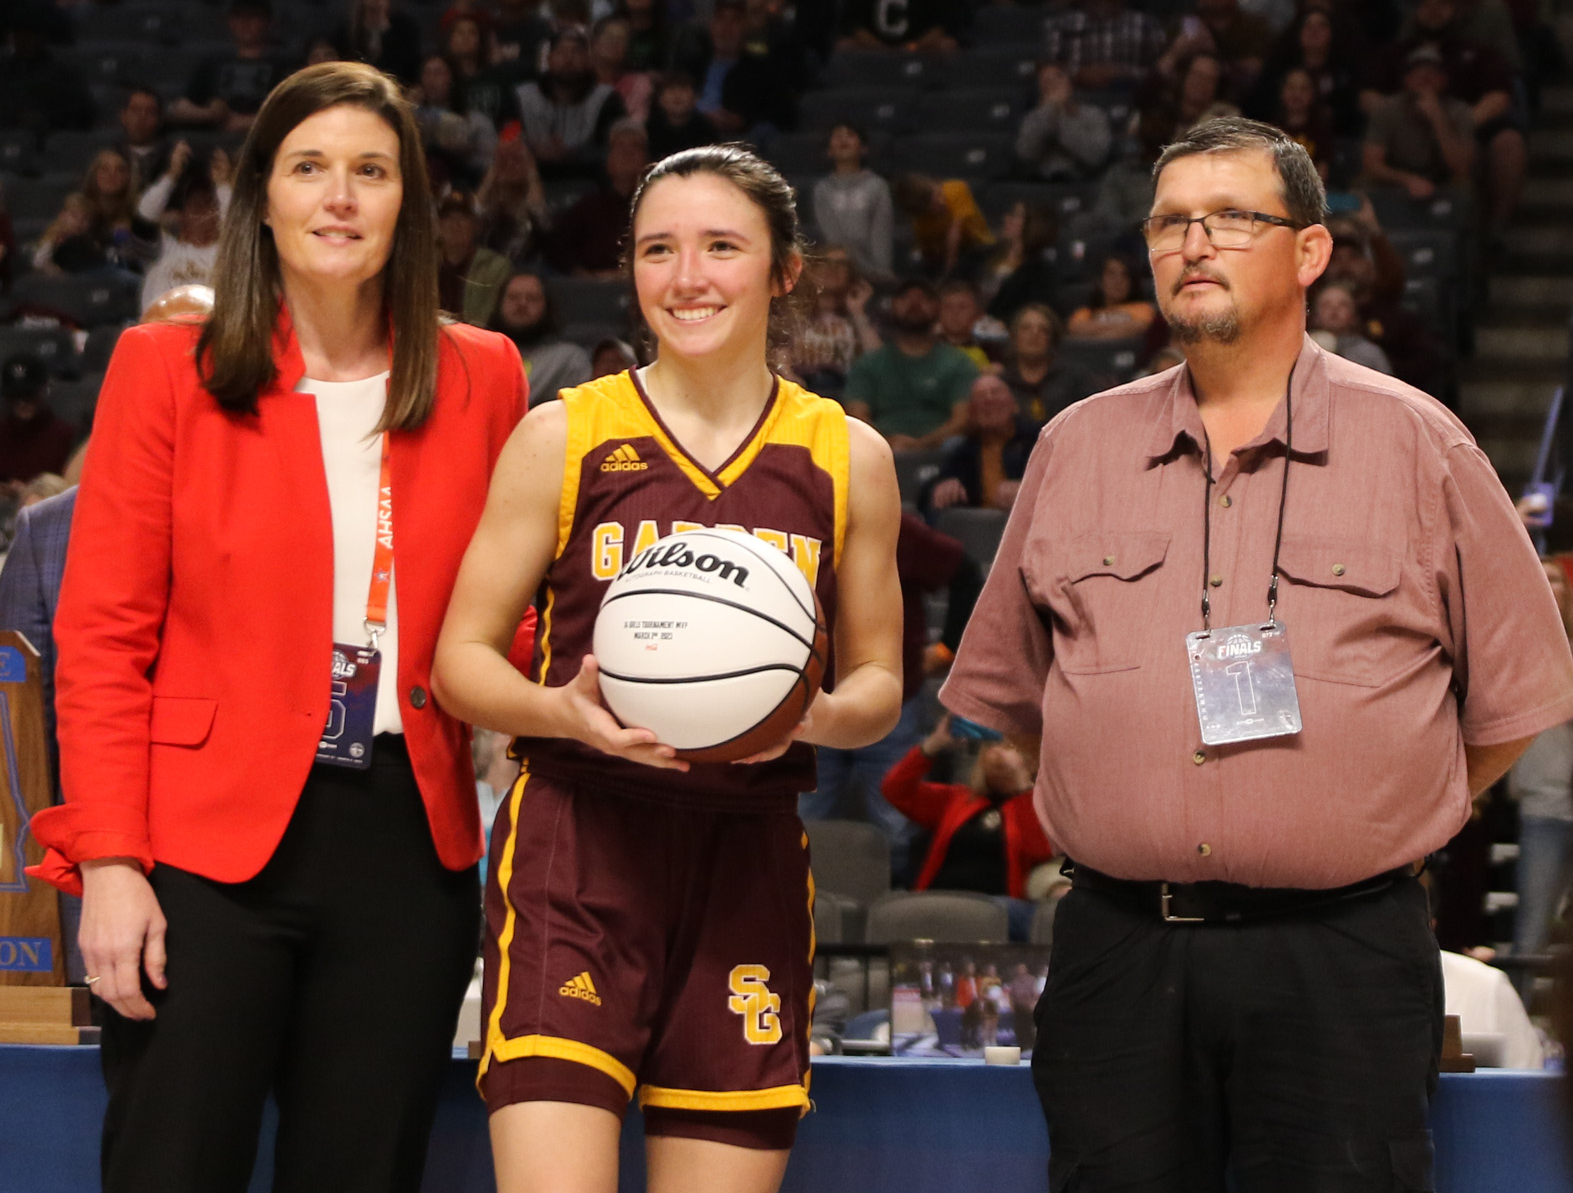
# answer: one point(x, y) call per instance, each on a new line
point(1418, 619)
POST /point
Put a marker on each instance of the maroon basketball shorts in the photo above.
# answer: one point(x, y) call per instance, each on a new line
point(637, 946)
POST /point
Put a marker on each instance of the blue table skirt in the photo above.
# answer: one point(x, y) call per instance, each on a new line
point(880, 1126)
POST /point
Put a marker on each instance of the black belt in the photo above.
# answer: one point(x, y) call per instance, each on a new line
point(1222, 902)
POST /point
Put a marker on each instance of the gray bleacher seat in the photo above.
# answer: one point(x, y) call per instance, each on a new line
point(18, 153)
point(119, 63)
point(91, 300)
point(563, 193)
point(837, 919)
point(589, 300)
point(1110, 362)
point(1007, 25)
point(1426, 297)
point(69, 150)
point(881, 68)
point(850, 858)
point(55, 346)
point(1427, 252)
point(1395, 209)
point(972, 156)
point(143, 23)
point(99, 348)
point(40, 198)
point(75, 400)
point(914, 469)
point(588, 335)
point(959, 917)
point(994, 66)
point(1065, 199)
point(887, 109)
point(800, 153)
point(975, 109)
point(978, 530)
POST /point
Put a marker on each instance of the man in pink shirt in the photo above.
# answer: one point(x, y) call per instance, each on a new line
point(1270, 620)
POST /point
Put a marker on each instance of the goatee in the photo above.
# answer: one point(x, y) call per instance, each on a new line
point(1221, 328)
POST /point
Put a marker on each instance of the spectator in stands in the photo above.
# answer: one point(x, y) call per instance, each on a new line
point(839, 329)
point(1043, 384)
point(960, 313)
point(567, 114)
point(1332, 55)
point(948, 229)
point(1021, 268)
point(39, 91)
point(186, 256)
point(144, 144)
point(1365, 260)
point(469, 276)
point(459, 143)
point(522, 37)
point(375, 32)
point(1126, 191)
point(609, 56)
point(1484, 23)
point(512, 200)
point(33, 439)
point(525, 316)
point(112, 199)
point(852, 204)
point(588, 238)
point(226, 89)
point(1421, 138)
point(1240, 40)
point(7, 243)
point(1335, 314)
point(1198, 90)
point(612, 356)
point(1114, 311)
point(1063, 138)
point(68, 244)
point(649, 35)
point(745, 92)
point(321, 49)
point(913, 390)
point(987, 836)
point(486, 85)
point(1301, 114)
point(983, 469)
point(921, 26)
point(185, 169)
point(1102, 44)
point(676, 123)
point(1542, 783)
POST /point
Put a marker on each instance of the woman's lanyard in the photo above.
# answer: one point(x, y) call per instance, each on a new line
point(352, 705)
point(1242, 675)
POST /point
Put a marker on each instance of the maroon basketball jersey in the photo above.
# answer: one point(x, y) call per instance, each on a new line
point(627, 483)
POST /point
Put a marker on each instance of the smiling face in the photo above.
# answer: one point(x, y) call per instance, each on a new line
point(333, 198)
point(111, 175)
point(702, 266)
point(1215, 294)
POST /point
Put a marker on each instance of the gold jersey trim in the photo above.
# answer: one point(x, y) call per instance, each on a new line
point(776, 1098)
point(494, 1033)
point(558, 1048)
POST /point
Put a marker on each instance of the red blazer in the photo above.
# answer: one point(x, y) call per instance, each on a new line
point(195, 623)
point(943, 808)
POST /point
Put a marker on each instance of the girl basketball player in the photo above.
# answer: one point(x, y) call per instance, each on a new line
point(649, 921)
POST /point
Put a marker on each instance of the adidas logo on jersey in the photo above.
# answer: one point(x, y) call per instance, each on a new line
point(582, 986)
point(624, 459)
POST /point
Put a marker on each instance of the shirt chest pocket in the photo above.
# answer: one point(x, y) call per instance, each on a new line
point(1105, 599)
point(1339, 610)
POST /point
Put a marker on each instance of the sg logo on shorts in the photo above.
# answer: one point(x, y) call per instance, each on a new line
point(752, 999)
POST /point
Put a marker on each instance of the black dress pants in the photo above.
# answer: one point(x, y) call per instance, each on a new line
point(1296, 1054)
point(332, 979)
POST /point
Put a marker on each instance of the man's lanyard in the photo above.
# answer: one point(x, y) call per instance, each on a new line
point(1207, 510)
point(382, 556)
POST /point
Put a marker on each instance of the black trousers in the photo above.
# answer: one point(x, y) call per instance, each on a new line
point(1296, 1054)
point(332, 979)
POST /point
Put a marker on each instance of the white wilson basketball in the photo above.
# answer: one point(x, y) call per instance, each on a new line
point(712, 639)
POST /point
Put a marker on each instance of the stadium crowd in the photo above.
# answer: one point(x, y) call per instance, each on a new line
point(972, 175)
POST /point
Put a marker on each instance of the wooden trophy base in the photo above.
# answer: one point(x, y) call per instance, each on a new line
point(1454, 1058)
point(46, 1015)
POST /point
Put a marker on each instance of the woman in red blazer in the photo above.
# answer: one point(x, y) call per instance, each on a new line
point(279, 879)
point(986, 834)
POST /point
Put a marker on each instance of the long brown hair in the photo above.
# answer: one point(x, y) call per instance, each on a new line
point(235, 352)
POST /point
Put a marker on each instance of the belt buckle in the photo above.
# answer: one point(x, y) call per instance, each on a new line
point(1165, 899)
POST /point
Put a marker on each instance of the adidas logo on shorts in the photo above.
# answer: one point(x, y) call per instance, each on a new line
point(581, 987)
point(624, 459)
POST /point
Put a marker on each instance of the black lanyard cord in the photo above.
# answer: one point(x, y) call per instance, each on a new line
point(1283, 497)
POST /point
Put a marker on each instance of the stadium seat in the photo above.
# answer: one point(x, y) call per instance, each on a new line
point(589, 300)
point(887, 109)
point(972, 156)
point(1065, 199)
point(879, 68)
point(99, 348)
point(850, 858)
point(974, 110)
point(70, 150)
point(89, 300)
point(588, 335)
point(39, 198)
point(836, 918)
point(1395, 209)
point(18, 152)
point(1427, 252)
point(75, 400)
point(563, 193)
point(1111, 362)
point(799, 153)
point(1008, 66)
point(1002, 25)
point(953, 917)
point(55, 346)
point(915, 469)
point(147, 24)
point(978, 530)
point(122, 63)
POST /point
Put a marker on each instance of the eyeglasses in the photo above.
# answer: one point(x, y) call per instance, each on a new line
point(1226, 229)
